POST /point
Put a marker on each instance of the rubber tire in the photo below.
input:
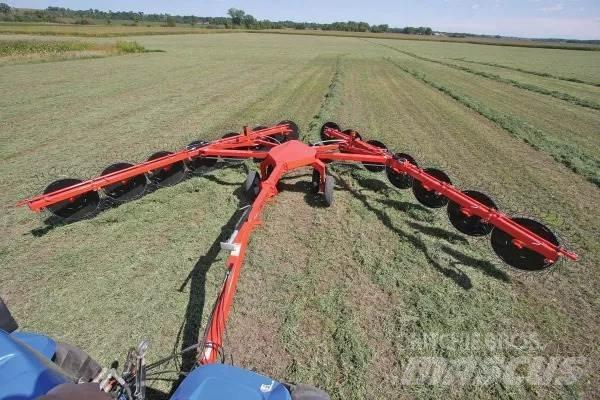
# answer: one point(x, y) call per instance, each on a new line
point(70, 391)
point(328, 191)
point(307, 392)
point(7, 322)
point(328, 125)
point(375, 168)
point(315, 182)
point(76, 362)
point(295, 135)
point(252, 185)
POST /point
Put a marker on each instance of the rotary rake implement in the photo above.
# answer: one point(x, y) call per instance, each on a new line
point(522, 243)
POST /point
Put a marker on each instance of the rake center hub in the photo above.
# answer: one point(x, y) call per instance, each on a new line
point(293, 153)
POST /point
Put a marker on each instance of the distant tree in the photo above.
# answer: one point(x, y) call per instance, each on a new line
point(236, 15)
point(171, 21)
point(4, 8)
point(380, 28)
point(248, 20)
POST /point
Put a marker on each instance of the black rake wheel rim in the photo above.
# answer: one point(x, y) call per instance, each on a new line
point(200, 163)
point(264, 147)
point(371, 167)
point(72, 209)
point(429, 198)
point(354, 134)
point(330, 124)
point(523, 259)
point(294, 135)
point(400, 180)
point(166, 176)
point(471, 225)
point(229, 135)
point(128, 189)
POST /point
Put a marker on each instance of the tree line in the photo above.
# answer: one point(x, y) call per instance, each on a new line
point(236, 19)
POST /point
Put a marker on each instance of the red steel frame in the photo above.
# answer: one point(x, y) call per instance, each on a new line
point(277, 160)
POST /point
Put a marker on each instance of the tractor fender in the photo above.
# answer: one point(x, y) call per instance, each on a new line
point(220, 382)
point(25, 372)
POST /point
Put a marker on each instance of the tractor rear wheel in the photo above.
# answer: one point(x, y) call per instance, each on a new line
point(328, 191)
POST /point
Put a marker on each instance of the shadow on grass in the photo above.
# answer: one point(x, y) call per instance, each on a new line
point(451, 271)
point(438, 233)
point(106, 203)
point(460, 258)
point(487, 267)
point(404, 206)
point(303, 186)
point(459, 277)
point(189, 332)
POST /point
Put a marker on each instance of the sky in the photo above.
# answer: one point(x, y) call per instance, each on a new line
point(573, 19)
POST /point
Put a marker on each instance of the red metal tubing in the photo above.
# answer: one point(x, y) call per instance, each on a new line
point(219, 148)
point(501, 221)
point(216, 326)
point(368, 158)
point(356, 150)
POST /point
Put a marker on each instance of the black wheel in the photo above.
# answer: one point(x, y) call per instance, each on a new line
point(229, 135)
point(471, 225)
point(72, 209)
point(429, 198)
point(76, 362)
point(294, 135)
point(315, 182)
point(199, 164)
point(332, 125)
point(7, 322)
point(328, 191)
point(166, 176)
point(353, 133)
point(127, 189)
point(401, 181)
point(252, 185)
point(371, 167)
point(523, 259)
point(307, 392)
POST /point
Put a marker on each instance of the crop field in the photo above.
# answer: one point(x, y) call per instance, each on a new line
point(19, 49)
point(338, 297)
point(98, 30)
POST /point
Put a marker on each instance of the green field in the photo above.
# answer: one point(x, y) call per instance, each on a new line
point(330, 296)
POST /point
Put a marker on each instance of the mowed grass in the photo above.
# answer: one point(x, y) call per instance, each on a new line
point(564, 130)
point(580, 65)
point(329, 296)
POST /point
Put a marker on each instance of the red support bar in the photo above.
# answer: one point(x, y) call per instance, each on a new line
point(355, 151)
point(374, 159)
point(213, 340)
point(492, 216)
point(229, 147)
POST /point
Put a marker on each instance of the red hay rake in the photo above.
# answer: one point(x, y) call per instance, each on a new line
point(522, 243)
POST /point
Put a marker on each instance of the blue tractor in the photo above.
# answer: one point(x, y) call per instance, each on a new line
point(34, 366)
